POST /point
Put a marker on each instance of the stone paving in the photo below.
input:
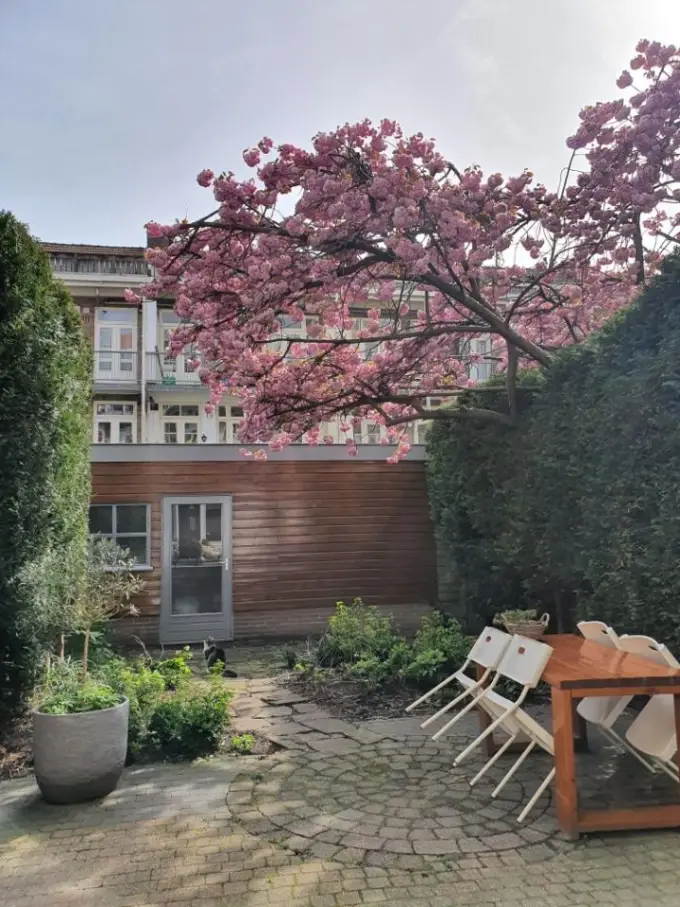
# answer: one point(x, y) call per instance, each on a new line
point(343, 814)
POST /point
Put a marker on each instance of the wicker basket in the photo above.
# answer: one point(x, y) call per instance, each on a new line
point(532, 629)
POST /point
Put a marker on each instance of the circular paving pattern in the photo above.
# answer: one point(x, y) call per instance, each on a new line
point(393, 798)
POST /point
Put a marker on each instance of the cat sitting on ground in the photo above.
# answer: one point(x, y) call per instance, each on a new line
point(214, 653)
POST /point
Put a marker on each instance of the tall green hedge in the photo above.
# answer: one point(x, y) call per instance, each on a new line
point(577, 509)
point(44, 454)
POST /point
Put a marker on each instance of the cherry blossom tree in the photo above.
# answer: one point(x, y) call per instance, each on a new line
point(270, 285)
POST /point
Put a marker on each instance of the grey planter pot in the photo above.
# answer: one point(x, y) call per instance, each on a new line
point(79, 757)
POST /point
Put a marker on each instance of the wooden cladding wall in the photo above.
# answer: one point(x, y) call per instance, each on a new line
point(305, 534)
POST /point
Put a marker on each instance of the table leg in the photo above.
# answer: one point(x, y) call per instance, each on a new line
point(676, 703)
point(581, 726)
point(566, 802)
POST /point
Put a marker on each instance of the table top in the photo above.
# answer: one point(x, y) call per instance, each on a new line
point(578, 663)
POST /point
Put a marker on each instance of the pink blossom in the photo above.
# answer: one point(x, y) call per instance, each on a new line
point(251, 156)
point(532, 266)
point(205, 178)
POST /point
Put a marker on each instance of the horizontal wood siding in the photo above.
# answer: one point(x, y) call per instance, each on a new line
point(305, 534)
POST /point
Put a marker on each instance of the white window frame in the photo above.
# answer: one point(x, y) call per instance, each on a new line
point(114, 419)
point(119, 538)
point(181, 421)
point(227, 421)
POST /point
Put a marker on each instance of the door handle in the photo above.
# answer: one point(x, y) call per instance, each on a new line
point(226, 563)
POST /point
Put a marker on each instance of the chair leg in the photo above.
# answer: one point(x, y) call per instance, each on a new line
point(616, 738)
point(513, 769)
point(492, 761)
point(449, 706)
point(671, 772)
point(488, 730)
point(456, 718)
point(440, 686)
point(530, 805)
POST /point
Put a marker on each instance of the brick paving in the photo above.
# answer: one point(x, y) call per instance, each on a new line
point(342, 814)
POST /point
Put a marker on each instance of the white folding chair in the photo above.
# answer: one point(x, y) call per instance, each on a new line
point(653, 731)
point(487, 652)
point(604, 711)
point(524, 662)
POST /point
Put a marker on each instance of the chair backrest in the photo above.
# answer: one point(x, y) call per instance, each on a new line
point(489, 647)
point(525, 660)
point(596, 631)
point(649, 648)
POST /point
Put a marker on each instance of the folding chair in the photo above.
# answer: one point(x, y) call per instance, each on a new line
point(653, 731)
point(524, 662)
point(487, 651)
point(604, 711)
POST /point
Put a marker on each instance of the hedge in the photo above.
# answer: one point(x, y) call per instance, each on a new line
point(45, 393)
point(577, 509)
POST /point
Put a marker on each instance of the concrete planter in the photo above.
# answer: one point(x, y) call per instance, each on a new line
point(81, 756)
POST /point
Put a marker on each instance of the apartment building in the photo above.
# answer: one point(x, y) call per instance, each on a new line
point(230, 547)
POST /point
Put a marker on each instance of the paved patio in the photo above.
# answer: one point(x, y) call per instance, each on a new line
point(342, 814)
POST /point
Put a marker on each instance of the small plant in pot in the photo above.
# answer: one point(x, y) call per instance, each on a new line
point(524, 622)
point(80, 724)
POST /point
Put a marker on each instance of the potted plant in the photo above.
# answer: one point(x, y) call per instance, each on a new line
point(524, 622)
point(80, 723)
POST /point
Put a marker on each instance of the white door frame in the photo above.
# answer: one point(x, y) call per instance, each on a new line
point(192, 628)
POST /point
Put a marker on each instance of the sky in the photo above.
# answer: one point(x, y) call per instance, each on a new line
point(109, 108)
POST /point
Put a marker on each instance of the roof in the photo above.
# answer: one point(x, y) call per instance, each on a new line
point(80, 249)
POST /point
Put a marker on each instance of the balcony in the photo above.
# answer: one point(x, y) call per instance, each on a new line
point(63, 264)
point(168, 371)
point(115, 369)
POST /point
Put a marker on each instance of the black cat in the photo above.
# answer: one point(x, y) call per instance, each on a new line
point(214, 653)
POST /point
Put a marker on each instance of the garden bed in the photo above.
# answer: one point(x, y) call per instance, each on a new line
point(352, 700)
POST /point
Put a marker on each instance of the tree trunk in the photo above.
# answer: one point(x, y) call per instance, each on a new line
point(86, 651)
point(62, 645)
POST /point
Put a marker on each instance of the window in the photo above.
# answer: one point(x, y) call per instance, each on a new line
point(229, 418)
point(125, 524)
point(367, 433)
point(482, 370)
point(180, 423)
point(116, 344)
point(115, 423)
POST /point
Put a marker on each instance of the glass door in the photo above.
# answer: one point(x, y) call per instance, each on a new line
point(196, 593)
point(116, 345)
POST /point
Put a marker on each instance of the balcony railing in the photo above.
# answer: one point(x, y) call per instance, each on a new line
point(65, 264)
point(116, 367)
point(170, 371)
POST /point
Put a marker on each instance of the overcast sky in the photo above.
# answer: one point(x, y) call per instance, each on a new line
point(109, 108)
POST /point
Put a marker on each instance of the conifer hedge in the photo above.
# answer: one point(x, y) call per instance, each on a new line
point(577, 509)
point(44, 453)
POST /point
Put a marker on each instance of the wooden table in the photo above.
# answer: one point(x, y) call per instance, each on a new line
point(579, 668)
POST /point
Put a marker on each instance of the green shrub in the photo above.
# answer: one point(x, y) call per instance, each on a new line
point(365, 646)
point(242, 744)
point(355, 632)
point(191, 724)
point(575, 511)
point(174, 670)
point(45, 434)
point(63, 692)
point(144, 688)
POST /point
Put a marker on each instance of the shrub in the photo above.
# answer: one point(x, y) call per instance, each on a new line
point(144, 689)
point(45, 433)
point(64, 692)
point(242, 744)
point(355, 632)
point(174, 670)
point(191, 724)
point(365, 646)
point(575, 511)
